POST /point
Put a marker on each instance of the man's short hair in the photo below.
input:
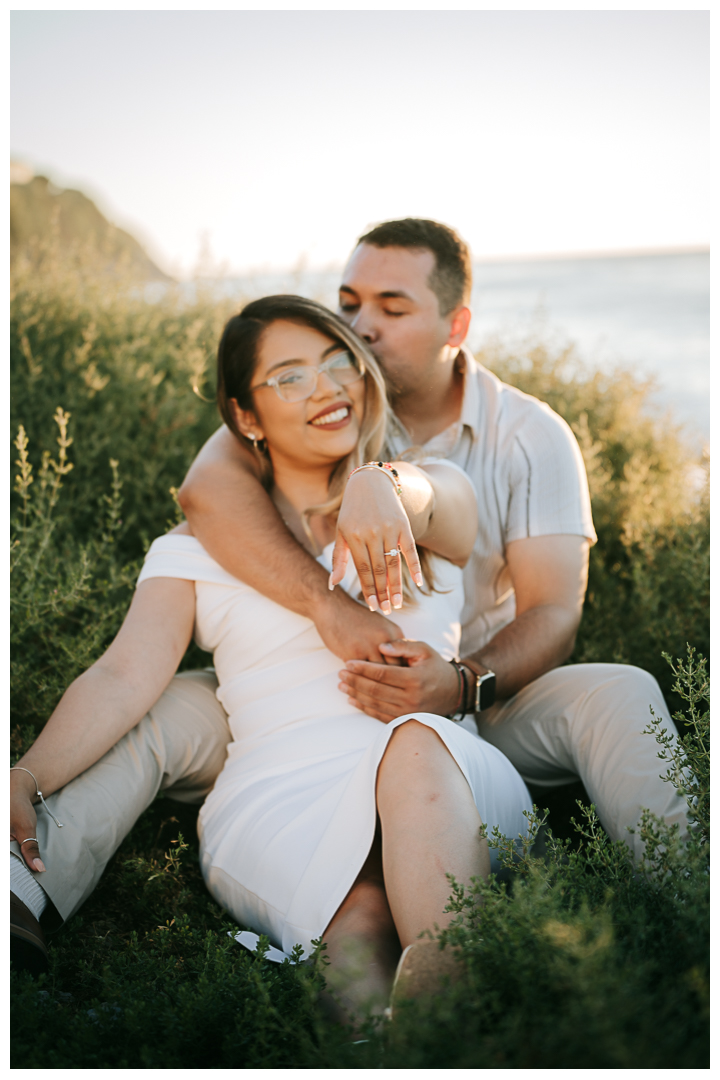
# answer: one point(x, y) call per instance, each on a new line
point(451, 278)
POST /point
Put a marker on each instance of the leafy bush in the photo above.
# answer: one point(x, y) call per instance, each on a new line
point(124, 369)
point(578, 962)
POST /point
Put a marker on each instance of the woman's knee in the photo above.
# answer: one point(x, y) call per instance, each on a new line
point(413, 736)
point(412, 744)
point(416, 761)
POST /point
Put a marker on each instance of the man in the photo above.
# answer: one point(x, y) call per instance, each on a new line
point(405, 290)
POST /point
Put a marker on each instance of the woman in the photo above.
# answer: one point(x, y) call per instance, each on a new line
point(324, 821)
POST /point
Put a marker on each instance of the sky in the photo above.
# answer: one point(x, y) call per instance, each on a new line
point(277, 137)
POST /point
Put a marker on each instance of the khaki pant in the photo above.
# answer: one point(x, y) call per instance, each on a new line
point(585, 720)
point(179, 747)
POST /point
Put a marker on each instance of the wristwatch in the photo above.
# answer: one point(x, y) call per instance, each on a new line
point(484, 695)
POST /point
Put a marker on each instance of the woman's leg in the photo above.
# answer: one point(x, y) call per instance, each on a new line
point(362, 945)
point(429, 827)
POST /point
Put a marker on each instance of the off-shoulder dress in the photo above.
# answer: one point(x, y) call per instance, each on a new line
point(291, 818)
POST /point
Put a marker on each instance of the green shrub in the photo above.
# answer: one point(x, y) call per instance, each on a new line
point(124, 369)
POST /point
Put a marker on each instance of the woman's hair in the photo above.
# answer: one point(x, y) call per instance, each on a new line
point(238, 356)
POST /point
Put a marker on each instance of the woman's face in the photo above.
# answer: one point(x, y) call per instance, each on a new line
point(319, 430)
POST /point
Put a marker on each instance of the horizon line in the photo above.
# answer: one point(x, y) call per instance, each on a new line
point(599, 253)
point(301, 266)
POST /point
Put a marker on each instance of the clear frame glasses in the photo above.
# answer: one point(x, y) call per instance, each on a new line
point(298, 383)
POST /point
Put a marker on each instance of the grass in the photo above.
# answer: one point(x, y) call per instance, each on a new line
point(579, 961)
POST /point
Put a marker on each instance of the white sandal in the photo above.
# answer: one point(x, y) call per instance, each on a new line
point(422, 972)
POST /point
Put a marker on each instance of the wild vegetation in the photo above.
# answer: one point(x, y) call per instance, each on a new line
point(579, 960)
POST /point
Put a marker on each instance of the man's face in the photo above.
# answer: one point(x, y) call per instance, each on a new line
point(386, 299)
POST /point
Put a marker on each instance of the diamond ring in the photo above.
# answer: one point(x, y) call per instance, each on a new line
point(393, 552)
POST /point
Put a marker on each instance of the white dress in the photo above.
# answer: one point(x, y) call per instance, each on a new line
point(292, 816)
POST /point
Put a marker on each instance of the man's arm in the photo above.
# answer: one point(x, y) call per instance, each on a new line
point(235, 520)
point(549, 575)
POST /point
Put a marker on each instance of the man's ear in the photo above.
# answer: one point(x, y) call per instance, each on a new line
point(246, 421)
point(459, 326)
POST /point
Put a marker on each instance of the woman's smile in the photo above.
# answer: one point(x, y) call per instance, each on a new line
point(332, 417)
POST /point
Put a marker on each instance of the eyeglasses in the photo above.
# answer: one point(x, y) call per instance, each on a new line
point(298, 383)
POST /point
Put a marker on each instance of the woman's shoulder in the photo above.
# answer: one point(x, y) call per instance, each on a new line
point(181, 529)
point(180, 554)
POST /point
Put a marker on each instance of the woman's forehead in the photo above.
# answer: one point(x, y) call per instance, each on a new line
point(284, 340)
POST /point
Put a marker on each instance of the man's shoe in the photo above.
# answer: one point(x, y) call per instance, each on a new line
point(28, 951)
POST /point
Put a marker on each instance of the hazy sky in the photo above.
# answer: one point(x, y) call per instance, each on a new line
point(282, 134)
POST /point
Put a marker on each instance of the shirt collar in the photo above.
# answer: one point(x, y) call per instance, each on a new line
point(471, 403)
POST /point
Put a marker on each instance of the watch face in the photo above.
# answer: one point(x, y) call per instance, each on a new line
point(486, 686)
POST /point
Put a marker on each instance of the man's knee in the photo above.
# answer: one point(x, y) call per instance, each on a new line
point(633, 689)
point(189, 701)
point(193, 728)
point(633, 676)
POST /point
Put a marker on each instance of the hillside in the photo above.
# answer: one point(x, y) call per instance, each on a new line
point(37, 206)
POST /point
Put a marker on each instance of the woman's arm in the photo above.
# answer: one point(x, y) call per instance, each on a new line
point(437, 508)
point(107, 700)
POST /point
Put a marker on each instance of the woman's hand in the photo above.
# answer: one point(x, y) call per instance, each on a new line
point(372, 522)
point(23, 819)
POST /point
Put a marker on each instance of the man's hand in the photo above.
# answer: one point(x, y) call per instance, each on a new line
point(351, 631)
point(23, 819)
point(427, 684)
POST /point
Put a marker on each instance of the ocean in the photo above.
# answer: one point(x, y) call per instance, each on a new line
point(649, 313)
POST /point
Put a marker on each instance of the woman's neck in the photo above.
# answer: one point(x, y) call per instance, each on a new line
point(295, 491)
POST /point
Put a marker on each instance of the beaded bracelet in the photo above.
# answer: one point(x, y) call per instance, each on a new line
point(385, 467)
